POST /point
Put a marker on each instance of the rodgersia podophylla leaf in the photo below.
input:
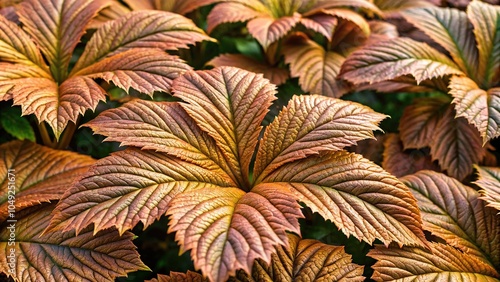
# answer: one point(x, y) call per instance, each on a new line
point(56, 95)
point(57, 256)
point(489, 181)
point(37, 173)
point(454, 212)
point(195, 164)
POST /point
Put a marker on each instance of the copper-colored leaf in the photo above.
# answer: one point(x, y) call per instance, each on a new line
point(322, 23)
point(443, 263)
point(129, 187)
point(351, 16)
point(268, 30)
point(489, 181)
point(486, 21)
point(160, 126)
point(456, 145)
point(56, 26)
point(276, 75)
point(309, 125)
point(400, 163)
point(141, 29)
point(393, 58)
point(227, 229)
point(392, 8)
point(454, 212)
point(229, 104)
point(146, 70)
point(480, 107)
point(34, 174)
point(234, 12)
point(316, 68)
point(418, 125)
point(358, 196)
point(190, 276)
point(306, 260)
point(452, 30)
point(64, 256)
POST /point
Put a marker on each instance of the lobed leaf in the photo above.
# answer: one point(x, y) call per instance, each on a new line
point(65, 256)
point(233, 11)
point(480, 107)
point(140, 29)
point(230, 105)
point(452, 30)
point(227, 229)
point(276, 75)
point(37, 173)
point(316, 68)
point(443, 263)
point(359, 197)
point(486, 21)
point(57, 26)
point(396, 57)
point(310, 125)
point(489, 181)
point(267, 30)
point(129, 187)
point(454, 212)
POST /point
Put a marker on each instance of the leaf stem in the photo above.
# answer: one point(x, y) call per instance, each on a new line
point(45, 135)
point(67, 135)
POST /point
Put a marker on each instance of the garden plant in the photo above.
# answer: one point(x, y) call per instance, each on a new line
point(249, 140)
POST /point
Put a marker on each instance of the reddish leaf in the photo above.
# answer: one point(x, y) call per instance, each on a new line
point(321, 23)
point(489, 181)
point(129, 187)
point(454, 212)
point(358, 196)
point(234, 12)
point(38, 174)
point(227, 229)
point(229, 105)
point(276, 75)
point(268, 30)
point(58, 256)
point(310, 125)
point(190, 276)
point(443, 263)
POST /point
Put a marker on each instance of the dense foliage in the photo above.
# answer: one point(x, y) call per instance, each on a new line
point(241, 140)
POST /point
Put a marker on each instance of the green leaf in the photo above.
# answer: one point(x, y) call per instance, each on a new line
point(57, 256)
point(16, 125)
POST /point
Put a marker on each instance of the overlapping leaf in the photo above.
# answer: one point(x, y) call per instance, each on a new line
point(486, 21)
point(452, 30)
point(229, 105)
point(443, 263)
point(480, 107)
point(305, 260)
point(65, 256)
point(358, 196)
point(309, 125)
point(38, 174)
point(316, 68)
point(227, 229)
point(454, 212)
point(190, 276)
point(489, 181)
point(394, 58)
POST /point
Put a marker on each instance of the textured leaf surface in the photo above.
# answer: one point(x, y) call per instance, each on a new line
point(307, 260)
point(276, 75)
point(41, 174)
point(320, 23)
point(129, 187)
point(358, 196)
point(234, 12)
point(146, 70)
point(227, 229)
point(229, 104)
point(480, 107)
point(65, 256)
point(400, 163)
point(489, 181)
point(444, 263)
point(394, 58)
point(456, 145)
point(454, 212)
point(316, 68)
point(309, 125)
point(268, 30)
point(141, 29)
point(16, 125)
point(452, 30)
point(189, 276)
point(486, 21)
point(56, 26)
